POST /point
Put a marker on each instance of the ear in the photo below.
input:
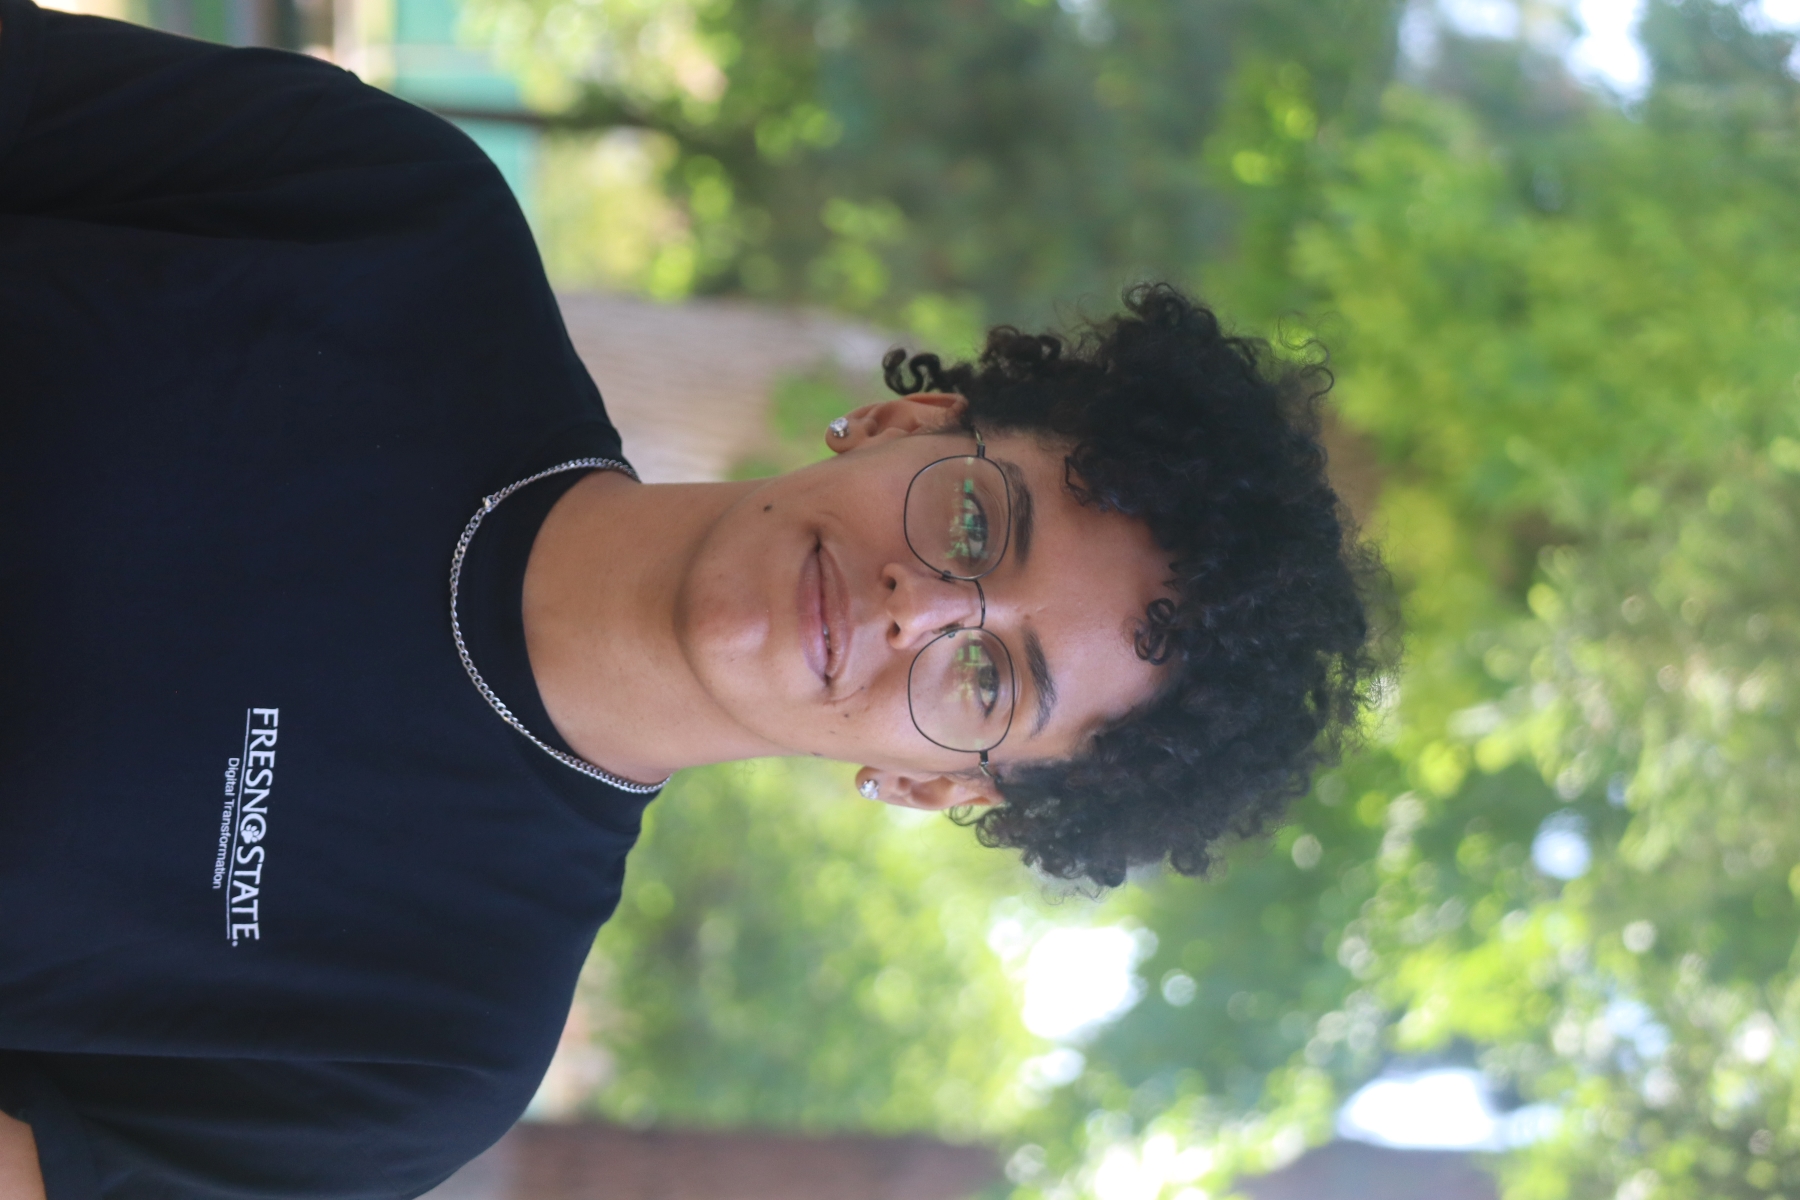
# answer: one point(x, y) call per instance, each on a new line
point(923, 412)
point(933, 793)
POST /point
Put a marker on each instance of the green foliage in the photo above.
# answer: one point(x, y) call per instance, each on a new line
point(1572, 336)
point(1655, 689)
point(642, 245)
point(788, 955)
point(1234, 999)
point(1559, 353)
point(933, 162)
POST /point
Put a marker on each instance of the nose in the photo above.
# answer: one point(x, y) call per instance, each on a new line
point(920, 605)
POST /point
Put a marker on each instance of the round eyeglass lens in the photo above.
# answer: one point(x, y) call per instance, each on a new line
point(958, 517)
point(961, 690)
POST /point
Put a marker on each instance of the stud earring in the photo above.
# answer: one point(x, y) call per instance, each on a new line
point(870, 789)
point(840, 427)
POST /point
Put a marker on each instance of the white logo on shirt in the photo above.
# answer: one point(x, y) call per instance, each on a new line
point(244, 824)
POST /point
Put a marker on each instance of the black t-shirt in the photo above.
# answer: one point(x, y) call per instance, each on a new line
point(285, 908)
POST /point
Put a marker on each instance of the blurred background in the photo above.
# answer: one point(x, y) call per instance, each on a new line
point(1537, 941)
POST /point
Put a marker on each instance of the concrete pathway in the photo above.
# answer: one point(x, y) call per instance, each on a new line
point(688, 385)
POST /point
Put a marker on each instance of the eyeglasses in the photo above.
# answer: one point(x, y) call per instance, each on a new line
point(958, 521)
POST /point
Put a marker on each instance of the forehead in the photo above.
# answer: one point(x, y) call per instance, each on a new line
point(1081, 591)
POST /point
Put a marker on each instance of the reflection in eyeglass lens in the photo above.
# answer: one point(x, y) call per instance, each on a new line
point(968, 526)
point(975, 682)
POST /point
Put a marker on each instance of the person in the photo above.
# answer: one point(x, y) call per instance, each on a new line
point(344, 650)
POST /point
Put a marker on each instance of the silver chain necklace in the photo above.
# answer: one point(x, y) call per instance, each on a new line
point(462, 650)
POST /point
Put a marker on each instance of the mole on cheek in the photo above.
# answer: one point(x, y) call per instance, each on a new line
point(767, 507)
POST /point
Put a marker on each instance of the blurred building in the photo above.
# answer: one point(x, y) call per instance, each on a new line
point(416, 42)
point(293, 24)
point(588, 1161)
point(593, 1161)
point(1346, 1170)
point(407, 46)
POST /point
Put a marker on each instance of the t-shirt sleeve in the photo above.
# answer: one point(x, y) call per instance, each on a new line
point(109, 122)
point(113, 1127)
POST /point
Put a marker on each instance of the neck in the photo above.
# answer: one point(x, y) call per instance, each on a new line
point(600, 597)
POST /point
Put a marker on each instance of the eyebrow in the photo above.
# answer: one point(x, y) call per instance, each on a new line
point(1023, 513)
point(1042, 681)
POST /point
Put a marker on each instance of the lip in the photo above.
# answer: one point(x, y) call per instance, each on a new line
point(810, 599)
point(834, 608)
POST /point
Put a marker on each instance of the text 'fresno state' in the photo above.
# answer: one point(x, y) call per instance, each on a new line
point(248, 783)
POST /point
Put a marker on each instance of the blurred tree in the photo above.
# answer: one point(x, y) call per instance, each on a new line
point(1573, 336)
point(939, 162)
point(1655, 997)
point(790, 956)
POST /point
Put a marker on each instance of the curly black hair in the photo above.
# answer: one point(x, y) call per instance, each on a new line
point(1214, 442)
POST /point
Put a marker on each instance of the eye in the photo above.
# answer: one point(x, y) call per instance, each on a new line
point(978, 677)
point(969, 527)
point(987, 686)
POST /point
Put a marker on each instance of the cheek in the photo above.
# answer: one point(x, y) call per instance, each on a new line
point(878, 708)
point(848, 723)
point(874, 726)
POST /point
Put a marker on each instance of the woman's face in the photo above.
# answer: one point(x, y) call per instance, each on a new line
point(805, 607)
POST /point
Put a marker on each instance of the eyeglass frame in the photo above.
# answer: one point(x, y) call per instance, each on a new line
point(980, 597)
